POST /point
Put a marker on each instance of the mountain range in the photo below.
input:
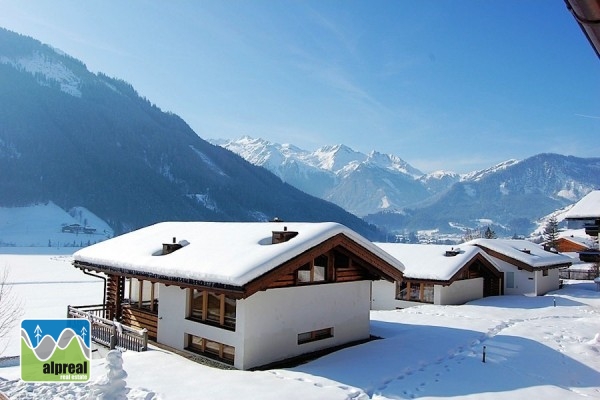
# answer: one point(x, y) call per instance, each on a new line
point(388, 192)
point(76, 138)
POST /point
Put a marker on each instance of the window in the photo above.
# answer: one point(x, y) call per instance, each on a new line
point(313, 336)
point(341, 260)
point(412, 291)
point(315, 271)
point(212, 308)
point(415, 292)
point(427, 293)
point(211, 349)
point(197, 308)
point(142, 294)
point(510, 280)
point(320, 269)
point(304, 274)
point(544, 272)
point(401, 290)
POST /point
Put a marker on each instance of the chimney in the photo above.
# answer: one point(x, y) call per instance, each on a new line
point(452, 252)
point(282, 236)
point(168, 248)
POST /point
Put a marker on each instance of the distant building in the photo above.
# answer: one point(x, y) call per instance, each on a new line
point(528, 268)
point(437, 274)
point(585, 212)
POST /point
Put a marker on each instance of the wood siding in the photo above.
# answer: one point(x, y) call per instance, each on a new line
point(140, 319)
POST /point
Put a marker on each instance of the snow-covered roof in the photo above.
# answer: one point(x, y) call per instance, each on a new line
point(524, 251)
point(229, 253)
point(586, 208)
point(429, 261)
point(577, 238)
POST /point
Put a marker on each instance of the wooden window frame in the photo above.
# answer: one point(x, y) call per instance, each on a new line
point(406, 290)
point(313, 336)
point(222, 321)
point(224, 353)
point(147, 305)
point(311, 267)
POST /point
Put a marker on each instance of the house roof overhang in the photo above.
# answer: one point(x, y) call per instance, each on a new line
point(520, 264)
point(377, 267)
point(587, 15)
point(487, 264)
point(233, 291)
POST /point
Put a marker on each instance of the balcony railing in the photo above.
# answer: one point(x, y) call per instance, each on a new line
point(111, 334)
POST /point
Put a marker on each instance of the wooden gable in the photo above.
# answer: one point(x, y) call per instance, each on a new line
point(348, 261)
point(478, 266)
point(521, 264)
point(566, 245)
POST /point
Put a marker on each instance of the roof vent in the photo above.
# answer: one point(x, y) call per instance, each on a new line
point(282, 236)
point(452, 252)
point(168, 248)
point(526, 251)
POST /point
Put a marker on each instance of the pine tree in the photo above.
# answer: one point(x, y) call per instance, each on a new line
point(489, 233)
point(551, 232)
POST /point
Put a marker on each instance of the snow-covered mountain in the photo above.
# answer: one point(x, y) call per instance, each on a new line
point(78, 138)
point(392, 194)
point(360, 183)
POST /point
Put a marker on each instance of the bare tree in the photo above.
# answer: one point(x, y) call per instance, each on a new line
point(10, 308)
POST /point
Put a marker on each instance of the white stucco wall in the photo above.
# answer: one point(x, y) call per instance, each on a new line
point(268, 323)
point(524, 280)
point(383, 295)
point(459, 292)
point(173, 325)
point(545, 284)
point(273, 319)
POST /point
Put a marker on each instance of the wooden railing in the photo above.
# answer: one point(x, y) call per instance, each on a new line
point(578, 274)
point(111, 334)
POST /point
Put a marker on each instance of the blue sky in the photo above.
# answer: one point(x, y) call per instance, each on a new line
point(456, 85)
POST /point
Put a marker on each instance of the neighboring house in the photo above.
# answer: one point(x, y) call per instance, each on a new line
point(585, 212)
point(437, 274)
point(528, 268)
point(248, 294)
point(572, 244)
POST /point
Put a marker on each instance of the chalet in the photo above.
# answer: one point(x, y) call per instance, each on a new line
point(572, 244)
point(585, 213)
point(528, 268)
point(437, 274)
point(247, 294)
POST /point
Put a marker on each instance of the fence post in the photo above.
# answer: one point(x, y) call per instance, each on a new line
point(145, 339)
point(113, 337)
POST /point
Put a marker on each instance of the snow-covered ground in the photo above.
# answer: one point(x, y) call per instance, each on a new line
point(534, 349)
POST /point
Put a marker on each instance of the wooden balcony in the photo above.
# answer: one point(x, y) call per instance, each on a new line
point(112, 334)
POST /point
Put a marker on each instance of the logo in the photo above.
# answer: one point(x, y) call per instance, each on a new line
point(55, 350)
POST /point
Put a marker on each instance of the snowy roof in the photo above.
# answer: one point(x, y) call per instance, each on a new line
point(429, 261)
point(229, 253)
point(586, 208)
point(524, 251)
point(575, 236)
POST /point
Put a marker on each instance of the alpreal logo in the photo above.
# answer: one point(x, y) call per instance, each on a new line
point(55, 350)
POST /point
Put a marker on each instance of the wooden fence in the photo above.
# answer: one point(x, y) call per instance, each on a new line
point(578, 274)
point(109, 333)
